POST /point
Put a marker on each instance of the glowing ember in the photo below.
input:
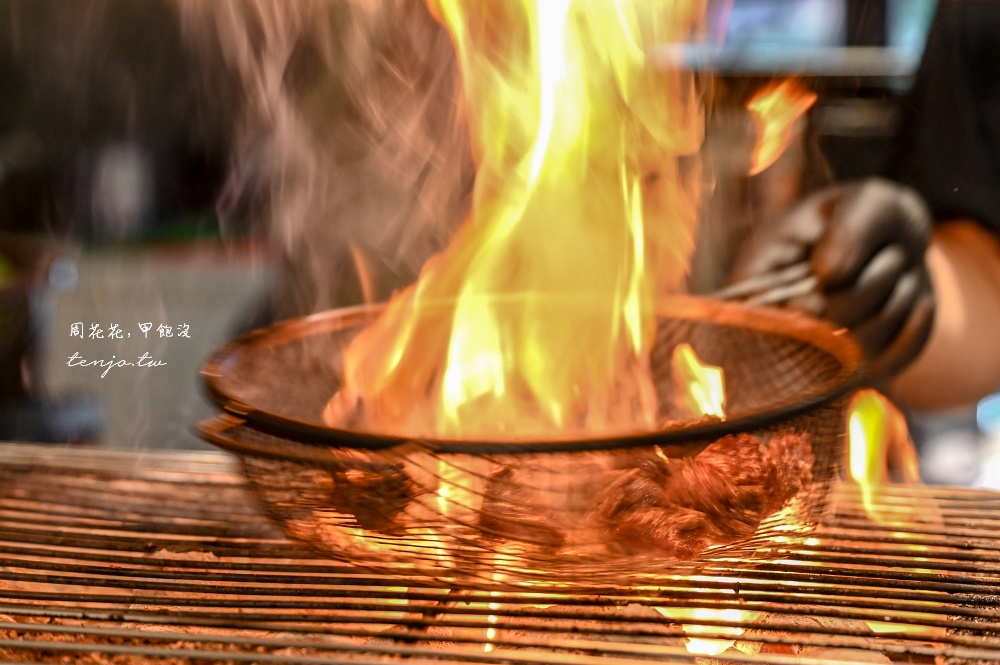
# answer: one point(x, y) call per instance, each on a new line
point(775, 110)
point(538, 318)
point(696, 643)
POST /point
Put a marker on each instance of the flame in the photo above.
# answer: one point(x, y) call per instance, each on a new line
point(881, 453)
point(538, 317)
point(775, 110)
point(701, 388)
point(700, 391)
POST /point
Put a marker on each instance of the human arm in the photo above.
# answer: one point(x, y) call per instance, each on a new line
point(961, 361)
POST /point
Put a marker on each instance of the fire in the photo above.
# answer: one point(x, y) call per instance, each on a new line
point(775, 110)
point(539, 316)
point(701, 392)
point(701, 389)
point(881, 453)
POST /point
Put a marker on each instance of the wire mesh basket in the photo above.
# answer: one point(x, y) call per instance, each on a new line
point(560, 510)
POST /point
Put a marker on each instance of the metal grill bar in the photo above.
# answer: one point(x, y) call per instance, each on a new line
point(163, 558)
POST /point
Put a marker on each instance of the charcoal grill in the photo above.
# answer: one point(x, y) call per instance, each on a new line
point(114, 557)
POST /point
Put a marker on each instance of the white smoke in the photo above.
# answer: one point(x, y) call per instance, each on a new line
point(349, 134)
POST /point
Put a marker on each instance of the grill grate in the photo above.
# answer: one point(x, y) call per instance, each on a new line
point(110, 557)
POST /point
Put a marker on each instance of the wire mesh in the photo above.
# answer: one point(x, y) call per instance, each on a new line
point(162, 558)
point(567, 510)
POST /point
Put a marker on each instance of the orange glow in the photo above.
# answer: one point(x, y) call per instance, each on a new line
point(710, 646)
point(538, 318)
point(881, 453)
point(775, 110)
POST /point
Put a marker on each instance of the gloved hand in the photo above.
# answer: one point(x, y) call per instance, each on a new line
point(865, 245)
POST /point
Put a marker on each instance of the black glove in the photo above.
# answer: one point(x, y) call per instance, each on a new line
point(865, 245)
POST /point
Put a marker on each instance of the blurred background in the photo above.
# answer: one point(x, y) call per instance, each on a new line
point(112, 161)
point(119, 207)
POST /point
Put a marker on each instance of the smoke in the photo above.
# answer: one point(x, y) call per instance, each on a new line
point(349, 146)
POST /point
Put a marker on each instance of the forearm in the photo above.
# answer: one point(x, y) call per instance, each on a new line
point(961, 361)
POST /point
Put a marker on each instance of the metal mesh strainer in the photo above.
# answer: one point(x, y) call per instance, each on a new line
point(557, 510)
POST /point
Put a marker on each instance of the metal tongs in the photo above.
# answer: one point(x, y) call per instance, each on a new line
point(773, 288)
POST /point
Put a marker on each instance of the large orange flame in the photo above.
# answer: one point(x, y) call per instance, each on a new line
point(538, 318)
